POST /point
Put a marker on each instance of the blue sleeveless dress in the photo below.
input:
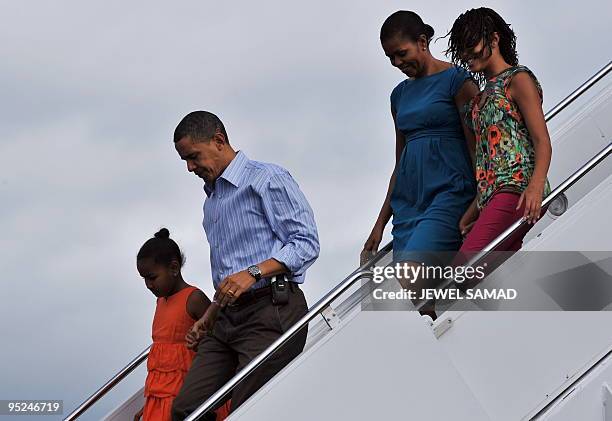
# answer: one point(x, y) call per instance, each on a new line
point(434, 181)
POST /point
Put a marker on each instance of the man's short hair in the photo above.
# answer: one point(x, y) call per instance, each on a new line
point(200, 126)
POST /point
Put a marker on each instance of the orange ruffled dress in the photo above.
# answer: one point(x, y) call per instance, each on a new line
point(169, 358)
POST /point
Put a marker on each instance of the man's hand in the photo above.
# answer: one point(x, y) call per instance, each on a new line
point(202, 326)
point(191, 339)
point(139, 414)
point(232, 287)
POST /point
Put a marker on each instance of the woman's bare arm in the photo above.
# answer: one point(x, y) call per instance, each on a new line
point(373, 241)
point(524, 93)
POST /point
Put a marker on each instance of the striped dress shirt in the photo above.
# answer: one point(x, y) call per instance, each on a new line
point(256, 211)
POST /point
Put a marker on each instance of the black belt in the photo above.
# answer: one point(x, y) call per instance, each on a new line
point(251, 295)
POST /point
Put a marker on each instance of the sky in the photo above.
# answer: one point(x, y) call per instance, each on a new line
point(91, 94)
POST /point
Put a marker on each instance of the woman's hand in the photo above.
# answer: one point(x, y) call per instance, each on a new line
point(202, 326)
point(532, 196)
point(469, 218)
point(371, 245)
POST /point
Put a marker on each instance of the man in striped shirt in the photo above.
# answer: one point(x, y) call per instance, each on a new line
point(259, 225)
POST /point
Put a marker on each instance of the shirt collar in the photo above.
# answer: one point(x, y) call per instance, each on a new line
point(232, 173)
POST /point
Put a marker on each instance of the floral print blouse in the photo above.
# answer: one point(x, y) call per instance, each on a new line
point(505, 155)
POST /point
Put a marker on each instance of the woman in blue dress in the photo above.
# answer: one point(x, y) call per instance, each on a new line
point(433, 182)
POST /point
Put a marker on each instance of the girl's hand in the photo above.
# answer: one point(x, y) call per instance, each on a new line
point(202, 326)
point(138, 415)
point(469, 218)
point(191, 340)
point(371, 245)
point(532, 196)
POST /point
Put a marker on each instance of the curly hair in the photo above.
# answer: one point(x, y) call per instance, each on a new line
point(477, 25)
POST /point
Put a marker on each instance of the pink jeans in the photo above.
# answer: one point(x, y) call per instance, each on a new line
point(497, 216)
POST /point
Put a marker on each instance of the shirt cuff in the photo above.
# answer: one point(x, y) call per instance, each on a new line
point(288, 257)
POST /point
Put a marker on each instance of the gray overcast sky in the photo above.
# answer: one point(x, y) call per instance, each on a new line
point(91, 93)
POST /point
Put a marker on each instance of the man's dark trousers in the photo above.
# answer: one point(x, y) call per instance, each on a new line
point(240, 334)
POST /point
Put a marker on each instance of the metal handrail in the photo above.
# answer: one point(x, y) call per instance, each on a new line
point(250, 367)
point(578, 91)
point(570, 181)
point(383, 252)
point(109, 385)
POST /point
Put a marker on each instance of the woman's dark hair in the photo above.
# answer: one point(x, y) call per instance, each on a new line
point(477, 25)
point(405, 24)
point(162, 249)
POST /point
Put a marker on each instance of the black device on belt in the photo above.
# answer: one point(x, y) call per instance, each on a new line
point(279, 293)
point(280, 290)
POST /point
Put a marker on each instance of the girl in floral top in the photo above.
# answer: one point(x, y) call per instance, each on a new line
point(513, 148)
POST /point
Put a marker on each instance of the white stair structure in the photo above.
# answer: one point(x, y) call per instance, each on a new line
point(501, 365)
point(468, 365)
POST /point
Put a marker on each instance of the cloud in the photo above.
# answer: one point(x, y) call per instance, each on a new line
point(92, 93)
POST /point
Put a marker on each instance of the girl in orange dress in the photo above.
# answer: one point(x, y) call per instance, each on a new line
point(179, 305)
